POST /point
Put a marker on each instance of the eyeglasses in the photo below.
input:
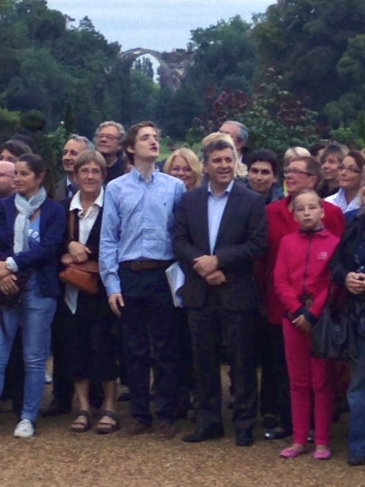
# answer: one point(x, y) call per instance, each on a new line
point(296, 171)
point(350, 169)
point(86, 172)
point(107, 136)
point(3, 175)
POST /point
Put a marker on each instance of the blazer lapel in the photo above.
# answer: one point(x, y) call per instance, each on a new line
point(202, 214)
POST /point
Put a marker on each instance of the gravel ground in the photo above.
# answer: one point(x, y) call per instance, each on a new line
point(56, 457)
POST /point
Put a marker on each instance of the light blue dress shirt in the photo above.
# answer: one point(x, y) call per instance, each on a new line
point(137, 222)
point(216, 207)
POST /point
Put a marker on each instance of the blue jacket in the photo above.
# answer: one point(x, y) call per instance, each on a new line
point(43, 258)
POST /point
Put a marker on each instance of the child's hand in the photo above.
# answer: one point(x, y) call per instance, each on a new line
point(302, 324)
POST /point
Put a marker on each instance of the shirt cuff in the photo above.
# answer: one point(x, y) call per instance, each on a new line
point(11, 265)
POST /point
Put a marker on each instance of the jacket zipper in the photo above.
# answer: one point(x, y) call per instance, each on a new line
point(306, 265)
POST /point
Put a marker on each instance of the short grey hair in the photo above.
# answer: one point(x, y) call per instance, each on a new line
point(242, 132)
point(85, 140)
point(111, 123)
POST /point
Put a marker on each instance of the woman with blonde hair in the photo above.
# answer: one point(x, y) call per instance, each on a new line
point(184, 164)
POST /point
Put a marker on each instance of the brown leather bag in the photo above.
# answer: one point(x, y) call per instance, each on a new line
point(84, 276)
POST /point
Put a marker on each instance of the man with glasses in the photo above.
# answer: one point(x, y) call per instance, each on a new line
point(108, 141)
point(302, 173)
point(7, 174)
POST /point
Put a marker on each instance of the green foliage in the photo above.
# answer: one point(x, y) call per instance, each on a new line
point(34, 121)
point(9, 121)
point(69, 119)
point(144, 66)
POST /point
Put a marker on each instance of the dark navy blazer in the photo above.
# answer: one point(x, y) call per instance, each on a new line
point(43, 258)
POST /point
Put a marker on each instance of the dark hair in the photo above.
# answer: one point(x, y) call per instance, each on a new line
point(16, 147)
point(217, 144)
point(312, 167)
point(130, 137)
point(37, 165)
point(263, 155)
point(316, 148)
point(27, 140)
point(358, 157)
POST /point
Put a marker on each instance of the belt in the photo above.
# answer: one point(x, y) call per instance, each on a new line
point(146, 265)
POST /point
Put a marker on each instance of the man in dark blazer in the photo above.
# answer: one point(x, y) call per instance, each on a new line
point(220, 232)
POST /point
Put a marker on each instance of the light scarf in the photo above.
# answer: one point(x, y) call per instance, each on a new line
point(26, 208)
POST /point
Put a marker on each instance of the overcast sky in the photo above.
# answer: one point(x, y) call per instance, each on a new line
point(161, 25)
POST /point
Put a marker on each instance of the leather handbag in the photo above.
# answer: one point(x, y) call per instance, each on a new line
point(84, 276)
point(333, 336)
point(12, 300)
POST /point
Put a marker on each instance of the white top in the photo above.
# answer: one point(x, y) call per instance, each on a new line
point(87, 219)
point(339, 199)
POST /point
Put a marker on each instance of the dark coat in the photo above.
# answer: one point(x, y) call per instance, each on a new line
point(242, 239)
point(61, 192)
point(43, 258)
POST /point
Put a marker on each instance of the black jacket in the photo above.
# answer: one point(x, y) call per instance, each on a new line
point(242, 239)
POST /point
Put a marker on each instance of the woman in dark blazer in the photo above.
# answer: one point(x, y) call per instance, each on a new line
point(31, 230)
point(88, 319)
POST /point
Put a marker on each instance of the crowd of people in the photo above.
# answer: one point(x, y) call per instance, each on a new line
point(256, 255)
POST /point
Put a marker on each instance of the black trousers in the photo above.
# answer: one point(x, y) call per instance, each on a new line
point(63, 389)
point(149, 326)
point(206, 325)
point(283, 407)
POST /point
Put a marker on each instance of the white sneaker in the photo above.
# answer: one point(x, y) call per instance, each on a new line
point(47, 378)
point(24, 429)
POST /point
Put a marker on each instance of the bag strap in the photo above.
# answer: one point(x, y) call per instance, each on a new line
point(71, 226)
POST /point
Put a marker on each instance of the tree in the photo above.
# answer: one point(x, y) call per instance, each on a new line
point(144, 66)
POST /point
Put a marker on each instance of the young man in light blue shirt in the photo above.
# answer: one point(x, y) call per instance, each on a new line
point(135, 250)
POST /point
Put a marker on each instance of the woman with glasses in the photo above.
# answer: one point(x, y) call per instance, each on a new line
point(88, 320)
point(350, 170)
point(301, 173)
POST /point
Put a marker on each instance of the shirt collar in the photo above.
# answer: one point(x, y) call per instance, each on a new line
point(137, 175)
point(76, 202)
point(225, 192)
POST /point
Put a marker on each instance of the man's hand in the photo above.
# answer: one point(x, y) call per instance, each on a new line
point(216, 278)
point(355, 282)
point(8, 284)
point(205, 265)
point(78, 251)
point(302, 323)
point(116, 302)
point(4, 271)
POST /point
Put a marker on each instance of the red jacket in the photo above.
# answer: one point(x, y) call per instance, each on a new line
point(302, 270)
point(281, 223)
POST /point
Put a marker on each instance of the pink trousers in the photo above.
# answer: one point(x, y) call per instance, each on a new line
point(309, 377)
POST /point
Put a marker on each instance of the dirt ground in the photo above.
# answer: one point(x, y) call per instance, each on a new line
point(55, 457)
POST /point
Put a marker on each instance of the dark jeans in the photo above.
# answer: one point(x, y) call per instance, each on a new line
point(283, 408)
point(148, 325)
point(356, 400)
point(15, 375)
point(206, 326)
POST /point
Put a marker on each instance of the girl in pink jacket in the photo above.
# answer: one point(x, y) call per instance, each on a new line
point(302, 278)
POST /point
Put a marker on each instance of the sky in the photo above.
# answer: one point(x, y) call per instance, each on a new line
point(161, 25)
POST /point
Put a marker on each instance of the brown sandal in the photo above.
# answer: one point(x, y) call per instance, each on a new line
point(80, 427)
point(103, 428)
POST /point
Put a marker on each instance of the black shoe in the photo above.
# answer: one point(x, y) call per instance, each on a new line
point(277, 434)
point(212, 432)
point(244, 437)
point(55, 409)
point(356, 461)
point(311, 438)
point(269, 421)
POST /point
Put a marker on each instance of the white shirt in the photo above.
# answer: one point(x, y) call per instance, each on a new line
point(339, 199)
point(87, 219)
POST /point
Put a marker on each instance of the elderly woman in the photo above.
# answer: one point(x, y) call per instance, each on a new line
point(90, 348)
point(350, 171)
point(348, 269)
point(31, 231)
point(185, 165)
point(330, 160)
